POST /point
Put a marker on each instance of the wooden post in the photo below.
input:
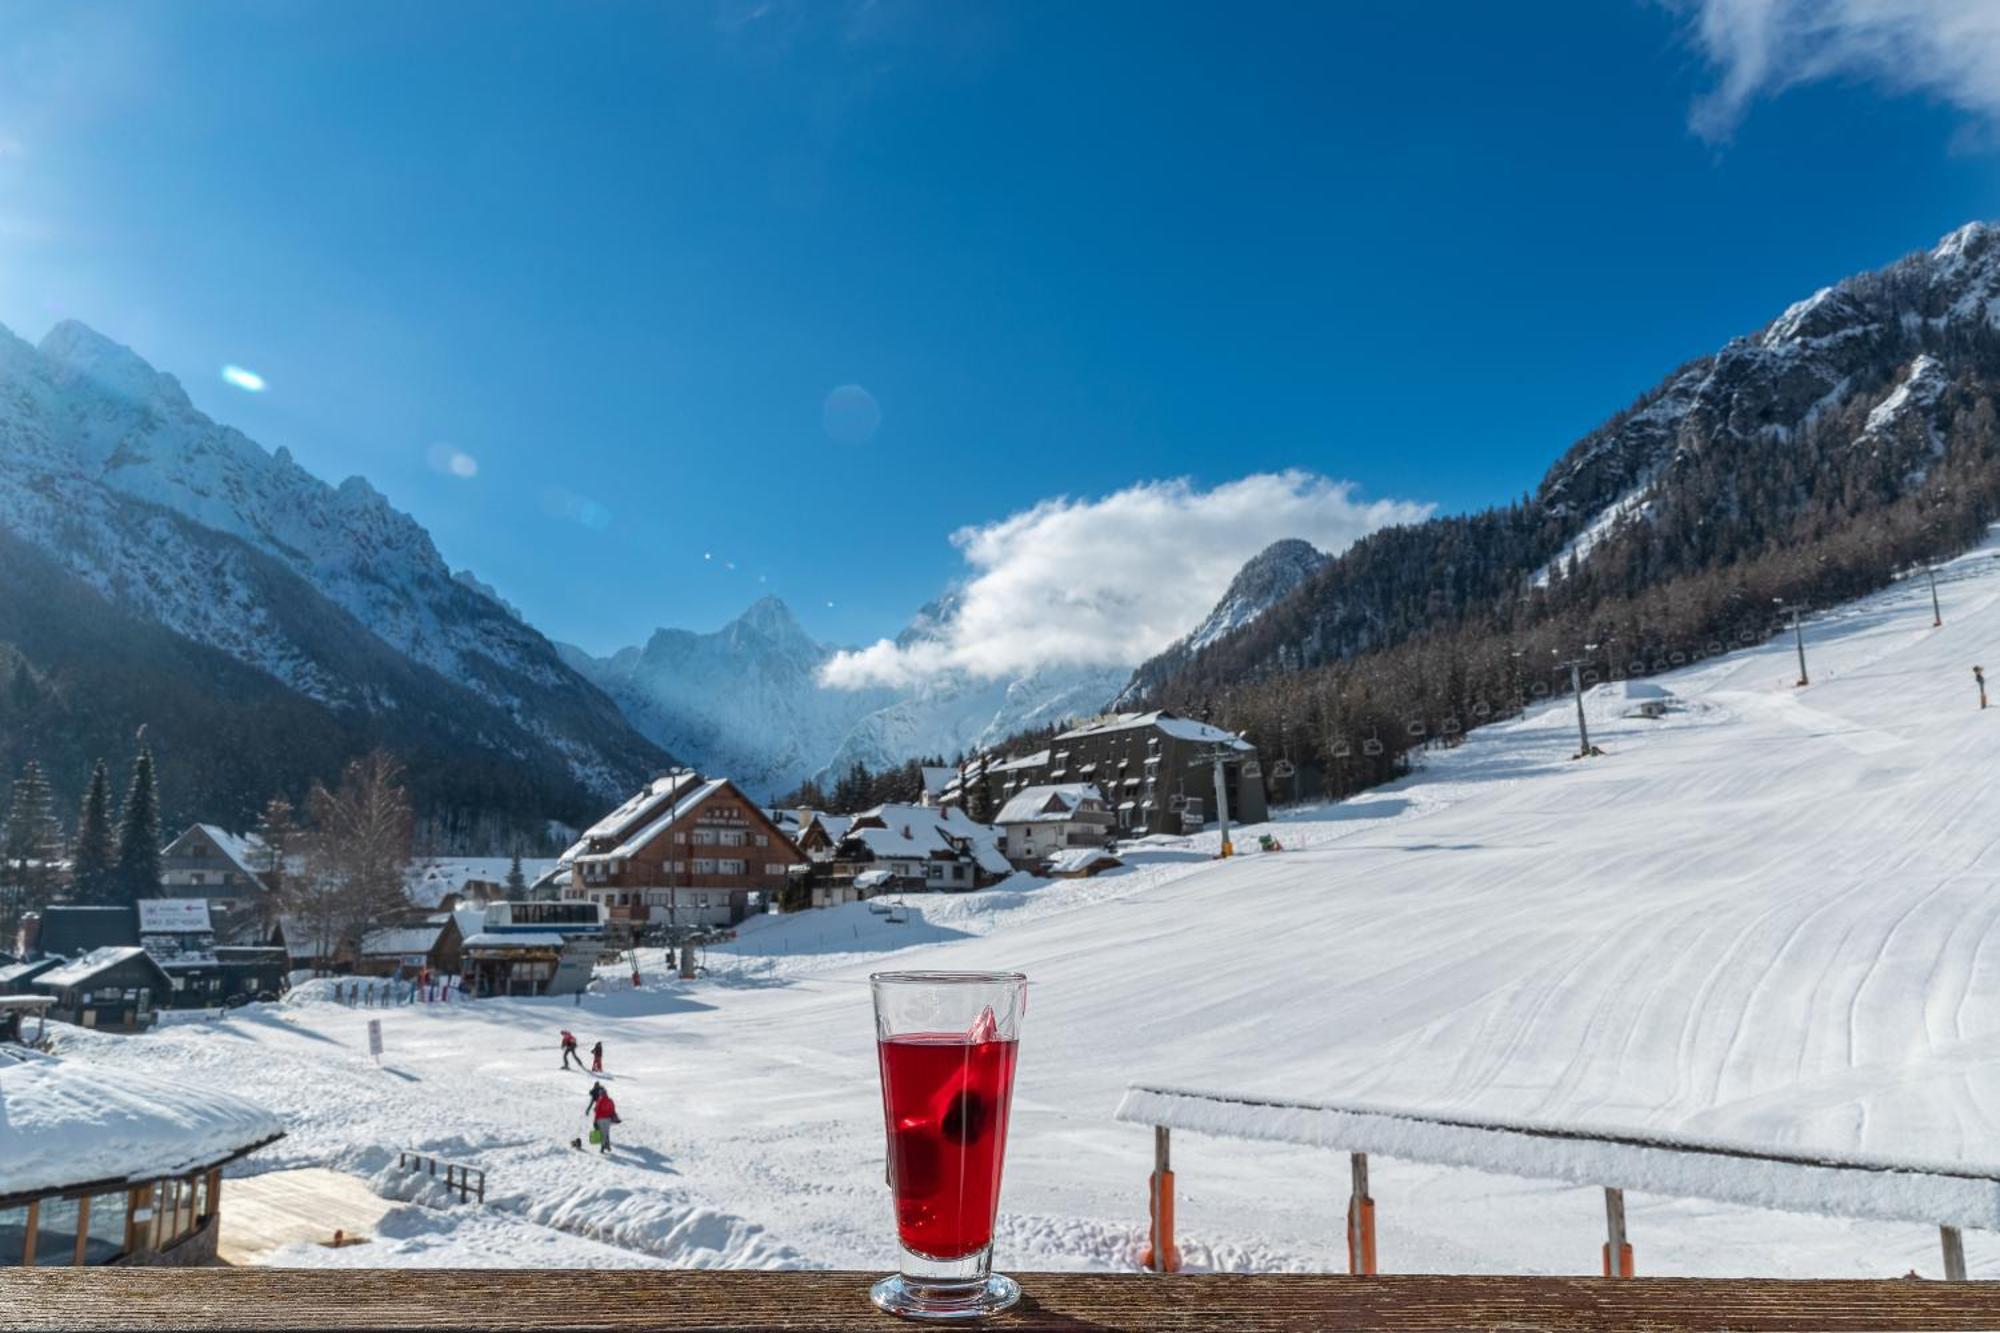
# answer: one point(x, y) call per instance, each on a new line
point(1617, 1252)
point(1360, 1220)
point(82, 1231)
point(1954, 1254)
point(1160, 1255)
point(28, 1241)
point(214, 1191)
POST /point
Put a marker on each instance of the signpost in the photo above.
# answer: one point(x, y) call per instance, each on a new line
point(375, 1039)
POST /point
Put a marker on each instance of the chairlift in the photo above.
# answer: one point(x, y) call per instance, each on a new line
point(1747, 636)
point(1590, 676)
point(1417, 730)
point(1678, 659)
point(1341, 749)
point(1282, 769)
point(878, 907)
point(897, 916)
point(1715, 648)
point(1449, 726)
point(1638, 668)
point(1541, 689)
point(1482, 710)
point(1253, 769)
point(1660, 665)
point(1372, 747)
point(1178, 801)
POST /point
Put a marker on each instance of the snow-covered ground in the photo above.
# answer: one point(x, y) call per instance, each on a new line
point(1769, 916)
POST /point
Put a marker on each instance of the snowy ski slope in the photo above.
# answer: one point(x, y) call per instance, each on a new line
point(1768, 917)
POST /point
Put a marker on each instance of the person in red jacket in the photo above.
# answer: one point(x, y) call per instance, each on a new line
point(604, 1114)
point(597, 1058)
point(569, 1050)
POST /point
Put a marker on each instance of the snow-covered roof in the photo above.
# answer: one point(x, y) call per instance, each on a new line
point(525, 939)
point(869, 879)
point(1072, 860)
point(836, 826)
point(1036, 760)
point(174, 916)
point(1790, 1178)
point(66, 1122)
point(640, 806)
point(242, 848)
point(937, 777)
point(663, 813)
point(80, 970)
point(1052, 802)
point(401, 940)
point(1169, 724)
point(925, 831)
point(14, 973)
point(429, 880)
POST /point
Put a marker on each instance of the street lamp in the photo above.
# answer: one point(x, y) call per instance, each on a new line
point(1937, 614)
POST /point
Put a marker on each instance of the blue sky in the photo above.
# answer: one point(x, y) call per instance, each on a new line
point(620, 255)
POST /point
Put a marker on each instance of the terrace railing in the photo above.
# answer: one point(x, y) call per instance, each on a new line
point(469, 1181)
point(1947, 1195)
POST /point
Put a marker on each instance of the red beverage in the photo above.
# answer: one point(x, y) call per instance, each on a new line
point(945, 1098)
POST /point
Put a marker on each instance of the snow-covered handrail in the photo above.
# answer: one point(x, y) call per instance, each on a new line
point(1834, 1184)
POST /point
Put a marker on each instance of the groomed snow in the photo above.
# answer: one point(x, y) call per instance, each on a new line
point(1770, 917)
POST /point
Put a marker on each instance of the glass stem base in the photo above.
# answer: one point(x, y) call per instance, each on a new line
point(926, 1298)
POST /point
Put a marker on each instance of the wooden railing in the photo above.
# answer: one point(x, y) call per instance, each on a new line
point(1948, 1196)
point(469, 1181)
point(305, 1298)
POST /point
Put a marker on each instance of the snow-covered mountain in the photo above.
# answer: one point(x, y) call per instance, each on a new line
point(1872, 392)
point(1268, 578)
point(746, 700)
point(108, 470)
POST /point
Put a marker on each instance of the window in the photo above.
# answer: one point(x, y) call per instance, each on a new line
point(732, 867)
point(55, 1238)
point(934, 870)
point(763, 841)
point(107, 1228)
point(732, 837)
point(774, 867)
point(704, 866)
point(704, 837)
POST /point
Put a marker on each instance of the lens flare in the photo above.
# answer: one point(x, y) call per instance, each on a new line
point(247, 380)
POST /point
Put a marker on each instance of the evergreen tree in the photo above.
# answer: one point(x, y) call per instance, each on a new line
point(137, 872)
point(33, 848)
point(517, 883)
point(92, 878)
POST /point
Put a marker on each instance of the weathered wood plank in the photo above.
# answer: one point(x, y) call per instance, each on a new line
point(246, 1299)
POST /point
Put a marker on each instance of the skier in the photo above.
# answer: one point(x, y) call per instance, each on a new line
point(604, 1114)
point(597, 1058)
point(569, 1049)
point(590, 1098)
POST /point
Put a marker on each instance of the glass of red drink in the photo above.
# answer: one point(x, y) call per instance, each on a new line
point(947, 1041)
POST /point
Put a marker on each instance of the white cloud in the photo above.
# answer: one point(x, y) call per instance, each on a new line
point(1947, 49)
point(1111, 581)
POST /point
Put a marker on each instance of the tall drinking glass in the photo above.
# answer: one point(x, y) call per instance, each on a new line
point(947, 1041)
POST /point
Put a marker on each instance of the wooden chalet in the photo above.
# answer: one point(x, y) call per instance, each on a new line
point(688, 851)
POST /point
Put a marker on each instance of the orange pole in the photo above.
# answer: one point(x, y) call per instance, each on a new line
point(1360, 1221)
point(1160, 1255)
